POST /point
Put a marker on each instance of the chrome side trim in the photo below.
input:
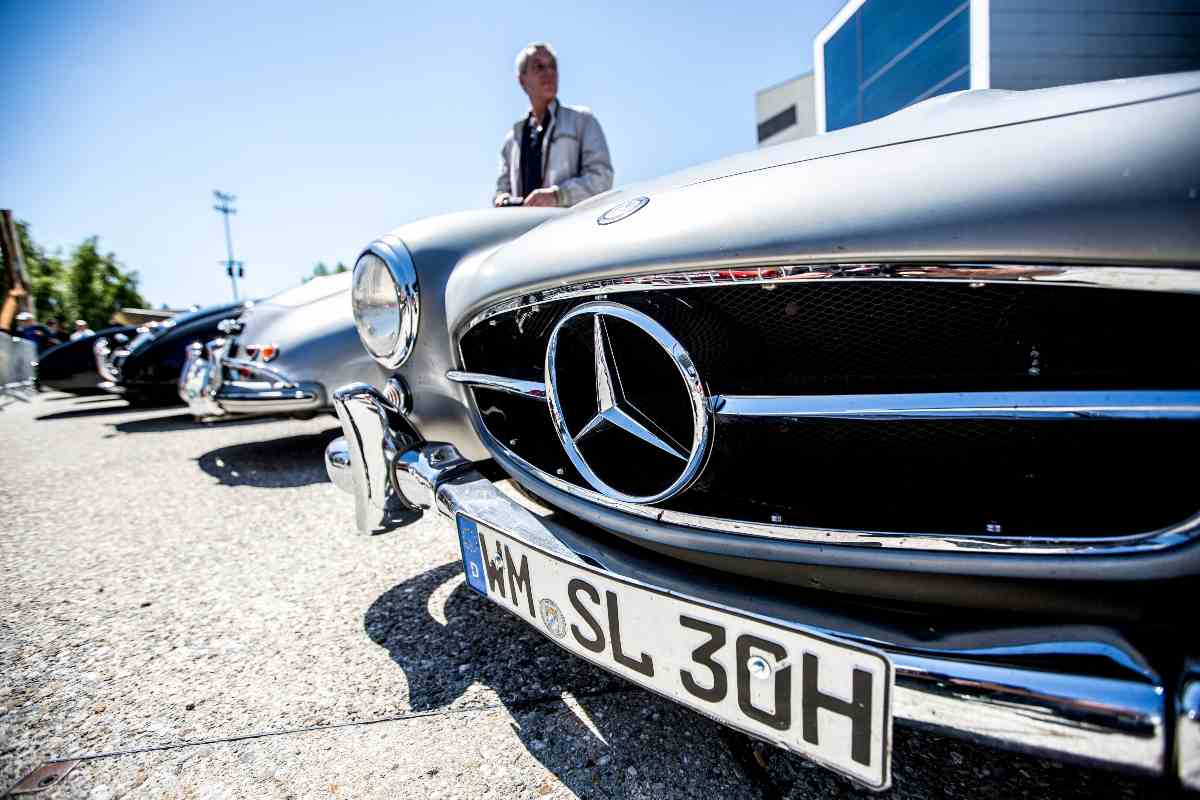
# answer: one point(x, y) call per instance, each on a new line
point(1114, 722)
point(238, 398)
point(261, 372)
point(1145, 279)
point(1140, 404)
point(1187, 728)
point(982, 543)
point(531, 389)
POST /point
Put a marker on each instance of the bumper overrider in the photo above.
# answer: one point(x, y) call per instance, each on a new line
point(1074, 692)
point(216, 385)
point(109, 356)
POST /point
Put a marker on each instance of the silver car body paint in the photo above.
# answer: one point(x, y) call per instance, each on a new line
point(314, 329)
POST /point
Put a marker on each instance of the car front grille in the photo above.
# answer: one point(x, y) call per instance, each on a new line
point(1062, 475)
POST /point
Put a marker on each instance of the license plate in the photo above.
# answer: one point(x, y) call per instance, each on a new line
point(828, 700)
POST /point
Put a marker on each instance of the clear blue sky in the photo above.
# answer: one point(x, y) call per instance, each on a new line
point(334, 123)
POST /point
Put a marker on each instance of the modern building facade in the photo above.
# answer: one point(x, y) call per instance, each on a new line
point(878, 56)
point(786, 111)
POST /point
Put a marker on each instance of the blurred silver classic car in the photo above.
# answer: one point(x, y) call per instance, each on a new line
point(889, 424)
point(279, 356)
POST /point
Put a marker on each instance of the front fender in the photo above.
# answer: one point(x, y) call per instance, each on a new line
point(443, 248)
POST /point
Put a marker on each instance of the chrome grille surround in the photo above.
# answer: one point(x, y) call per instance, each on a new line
point(1149, 279)
point(1166, 405)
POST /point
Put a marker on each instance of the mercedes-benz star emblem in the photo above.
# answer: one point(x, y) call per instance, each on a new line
point(620, 212)
point(615, 410)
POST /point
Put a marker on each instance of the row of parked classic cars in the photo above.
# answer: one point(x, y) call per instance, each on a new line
point(280, 355)
point(892, 424)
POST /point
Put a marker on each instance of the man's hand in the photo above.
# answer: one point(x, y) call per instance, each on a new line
point(500, 199)
point(542, 197)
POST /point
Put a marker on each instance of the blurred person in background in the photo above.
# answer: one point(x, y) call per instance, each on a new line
point(555, 155)
point(28, 328)
point(81, 330)
point(56, 332)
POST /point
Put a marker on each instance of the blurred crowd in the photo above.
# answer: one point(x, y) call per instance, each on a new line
point(49, 334)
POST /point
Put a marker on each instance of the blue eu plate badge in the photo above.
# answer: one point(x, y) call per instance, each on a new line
point(468, 540)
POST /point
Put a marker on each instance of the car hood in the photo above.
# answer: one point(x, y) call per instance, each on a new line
point(1071, 174)
point(321, 292)
point(944, 115)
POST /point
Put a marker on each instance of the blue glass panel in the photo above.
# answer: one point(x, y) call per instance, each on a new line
point(841, 77)
point(938, 57)
point(959, 84)
point(889, 26)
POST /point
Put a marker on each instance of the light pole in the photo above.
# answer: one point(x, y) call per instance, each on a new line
point(225, 206)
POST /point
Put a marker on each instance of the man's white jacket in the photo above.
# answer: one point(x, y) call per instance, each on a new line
point(575, 161)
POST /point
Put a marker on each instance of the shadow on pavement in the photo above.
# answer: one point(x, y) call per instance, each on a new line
point(121, 408)
point(628, 727)
point(274, 464)
point(174, 422)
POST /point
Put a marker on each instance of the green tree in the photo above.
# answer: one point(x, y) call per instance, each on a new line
point(45, 273)
point(96, 285)
point(321, 269)
point(89, 286)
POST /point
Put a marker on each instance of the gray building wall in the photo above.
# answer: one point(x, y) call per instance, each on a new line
point(1040, 43)
point(785, 111)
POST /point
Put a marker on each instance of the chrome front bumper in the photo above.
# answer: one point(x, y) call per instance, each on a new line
point(1075, 693)
point(208, 393)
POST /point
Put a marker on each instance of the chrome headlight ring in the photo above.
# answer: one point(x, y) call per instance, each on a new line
point(386, 301)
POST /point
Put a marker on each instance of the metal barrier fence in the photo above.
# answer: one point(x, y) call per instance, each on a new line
point(17, 357)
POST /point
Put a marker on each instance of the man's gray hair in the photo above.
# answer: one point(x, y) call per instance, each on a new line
point(527, 53)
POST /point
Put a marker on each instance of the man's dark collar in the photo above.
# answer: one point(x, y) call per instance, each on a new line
point(551, 109)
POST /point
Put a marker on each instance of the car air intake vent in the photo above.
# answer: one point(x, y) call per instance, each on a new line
point(988, 409)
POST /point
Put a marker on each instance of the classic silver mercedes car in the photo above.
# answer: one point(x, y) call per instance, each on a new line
point(889, 424)
point(279, 356)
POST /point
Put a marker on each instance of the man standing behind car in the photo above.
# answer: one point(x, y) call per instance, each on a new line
point(556, 155)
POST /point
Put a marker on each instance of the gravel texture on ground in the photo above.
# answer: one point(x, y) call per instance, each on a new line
point(187, 607)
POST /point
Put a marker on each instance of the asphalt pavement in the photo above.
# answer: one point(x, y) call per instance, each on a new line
point(187, 609)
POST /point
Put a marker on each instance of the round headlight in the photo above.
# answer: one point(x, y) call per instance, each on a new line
point(386, 303)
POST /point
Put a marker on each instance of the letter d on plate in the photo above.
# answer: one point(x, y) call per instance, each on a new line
point(468, 540)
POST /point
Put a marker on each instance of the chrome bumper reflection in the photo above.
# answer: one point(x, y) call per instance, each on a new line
point(986, 695)
point(108, 359)
point(202, 385)
point(382, 461)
